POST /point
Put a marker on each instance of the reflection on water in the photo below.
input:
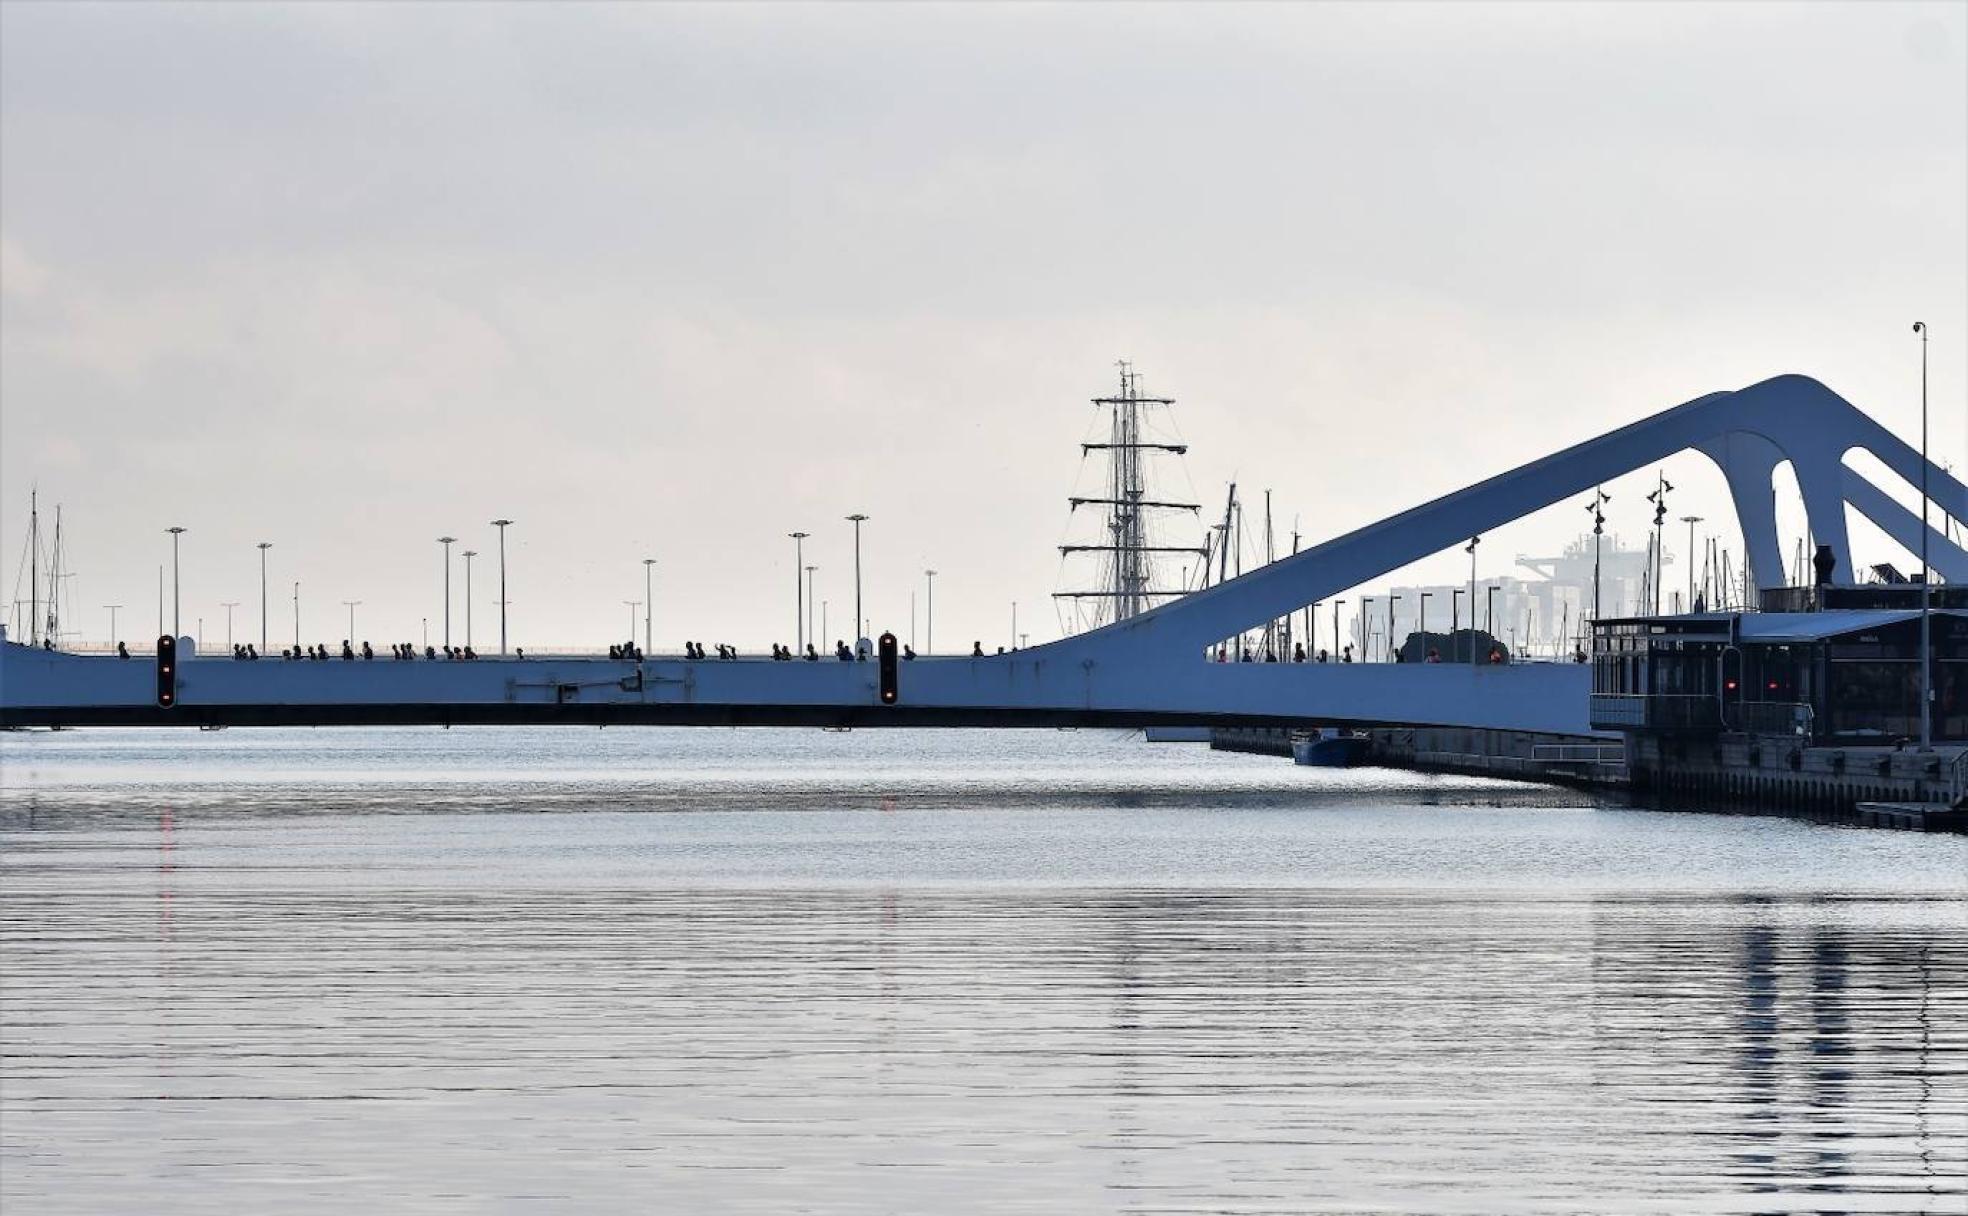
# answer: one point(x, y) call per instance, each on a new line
point(272, 979)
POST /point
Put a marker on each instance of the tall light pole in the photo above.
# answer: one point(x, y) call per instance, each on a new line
point(351, 605)
point(468, 555)
point(929, 614)
point(1489, 615)
point(1691, 521)
point(501, 525)
point(264, 546)
point(112, 621)
point(1471, 550)
point(229, 606)
point(1423, 626)
point(649, 601)
point(1455, 618)
point(1926, 573)
point(1598, 508)
point(633, 605)
point(857, 520)
point(1392, 599)
point(1336, 604)
point(175, 534)
point(1659, 499)
point(799, 601)
point(447, 542)
point(809, 607)
point(1366, 614)
point(297, 620)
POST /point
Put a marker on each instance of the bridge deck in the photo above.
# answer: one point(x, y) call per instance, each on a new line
point(1029, 688)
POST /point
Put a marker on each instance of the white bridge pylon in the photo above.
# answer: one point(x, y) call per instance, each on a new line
point(1748, 433)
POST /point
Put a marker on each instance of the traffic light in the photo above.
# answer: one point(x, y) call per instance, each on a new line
point(167, 671)
point(885, 651)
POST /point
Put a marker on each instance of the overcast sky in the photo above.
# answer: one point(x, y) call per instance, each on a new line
point(665, 281)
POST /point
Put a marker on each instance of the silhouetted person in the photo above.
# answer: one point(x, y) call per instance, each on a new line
point(1347, 656)
point(908, 652)
point(348, 651)
point(122, 651)
point(430, 654)
point(519, 652)
point(252, 653)
point(1270, 656)
point(614, 652)
point(1298, 652)
point(812, 655)
point(977, 650)
point(1324, 657)
point(1222, 655)
point(841, 651)
point(1245, 657)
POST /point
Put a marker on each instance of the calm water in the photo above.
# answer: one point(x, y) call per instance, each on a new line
point(700, 971)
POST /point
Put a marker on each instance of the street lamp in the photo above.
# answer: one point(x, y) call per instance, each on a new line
point(1392, 599)
point(297, 620)
point(929, 614)
point(1336, 604)
point(1926, 574)
point(175, 534)
point(468, 555)
point(1366, 614)
point(229, 606)
point(112, 621)
point(633, 605)
point(501, 525)
point(809, 608)
point(1423, 627)
point(351, 606)
point(799, 604)
point(857, 520)
point(1691, 521)
point(1489, 616)
point(264, 546)
point(447, 542)
point(649, 600)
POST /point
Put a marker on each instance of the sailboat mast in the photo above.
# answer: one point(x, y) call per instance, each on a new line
point(33, 567)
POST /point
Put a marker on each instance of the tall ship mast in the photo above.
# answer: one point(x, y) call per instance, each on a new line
point(1133, 560)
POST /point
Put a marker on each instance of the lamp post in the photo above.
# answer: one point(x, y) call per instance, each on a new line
point(112, 621)
point(1659, 499)
point(1471, 550)
point(175, 534)
point(857, 519)
point(1392, 599)
point(1926, 574)
point(1366, 614)
point(648, 600)
point(809, 607)
point(1455, 619)
point(351, 605)
point(799, 604)
point(929, 614)
point(1336, 604)
point(297, 620)
point(1422, 627)
point(229, 605)
point(633, 605)
point(447, 542)
point(1598, 508)
point(501, 525)
point(264, 546)
point(468, 555)
point(1691, 521)
point(1489, 614)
